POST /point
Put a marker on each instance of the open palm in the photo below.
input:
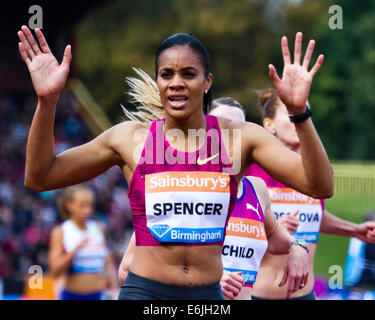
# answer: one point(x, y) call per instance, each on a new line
point(294, 86)
point(47, 75)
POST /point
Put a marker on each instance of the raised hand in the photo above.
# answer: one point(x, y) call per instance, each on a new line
point(47, 75)
point(294, 86)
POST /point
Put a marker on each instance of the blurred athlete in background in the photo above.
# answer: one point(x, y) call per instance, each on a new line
point(78, 250)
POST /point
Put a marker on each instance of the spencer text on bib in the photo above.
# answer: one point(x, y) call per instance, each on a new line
point(187, 206)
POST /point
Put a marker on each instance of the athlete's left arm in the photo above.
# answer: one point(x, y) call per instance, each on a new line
point(296, 269)
point(333, 225)
point(309, 173)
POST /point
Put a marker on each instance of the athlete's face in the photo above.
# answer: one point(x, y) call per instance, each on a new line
point(81, 206)
point(284, 129)
point(229, 112)
point(181, 81)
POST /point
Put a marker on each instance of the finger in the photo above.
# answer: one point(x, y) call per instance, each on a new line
point(42, 41)
point(235, 284)
point(304, 280)
point(370, 236)
point(67, 57)
point(237, 276)
point(228, 295)
point(23, 53)
point(234, 290)
point(294, 214)
point(292, 229)
point(274, 76)
point(298, 48)
point(317, 65)
point(285, 50)
point(308, 54)
point(284, 278)
point(292, 286)
point(31, 40)
point(294, 223)
point(297, 282)
point(26, 45)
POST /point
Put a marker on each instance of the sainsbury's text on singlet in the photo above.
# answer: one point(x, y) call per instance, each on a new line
point(286, 195)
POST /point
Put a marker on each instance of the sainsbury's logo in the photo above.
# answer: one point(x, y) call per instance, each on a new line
point(187, 181)
point(249, 228)
point(286, 195)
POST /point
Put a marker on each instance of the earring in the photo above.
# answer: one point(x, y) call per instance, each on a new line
point(205, 91)
point(273, 132)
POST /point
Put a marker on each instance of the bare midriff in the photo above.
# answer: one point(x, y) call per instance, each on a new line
point(187, 266)
point(85, 283)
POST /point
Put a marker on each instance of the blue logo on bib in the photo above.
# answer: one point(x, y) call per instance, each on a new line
point(160, 229)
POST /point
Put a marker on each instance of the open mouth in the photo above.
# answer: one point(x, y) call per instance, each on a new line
point(177, 101)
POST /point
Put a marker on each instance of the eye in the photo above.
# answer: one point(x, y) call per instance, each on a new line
point(165, 74)
point(189, 74)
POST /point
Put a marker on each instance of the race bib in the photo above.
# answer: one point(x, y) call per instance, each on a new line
point(189, 207)
point(287, 201)
point(244, 247)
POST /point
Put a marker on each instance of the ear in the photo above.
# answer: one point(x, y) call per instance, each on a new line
point(208, 82)
point(268, 124)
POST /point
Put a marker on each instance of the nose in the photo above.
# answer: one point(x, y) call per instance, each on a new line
point(176, 83)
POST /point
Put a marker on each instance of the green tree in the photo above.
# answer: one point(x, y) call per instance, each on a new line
point(125, 34)
point(343, 93)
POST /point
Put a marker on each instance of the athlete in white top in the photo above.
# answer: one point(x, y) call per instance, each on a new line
point(78, 250)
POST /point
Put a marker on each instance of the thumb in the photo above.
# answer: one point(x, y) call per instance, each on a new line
point(294, 214)
point(273, 74)
point(67, 56)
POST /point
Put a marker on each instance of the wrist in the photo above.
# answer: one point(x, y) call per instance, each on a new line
point(49, 100)
point(298, 243)
point(301, 116)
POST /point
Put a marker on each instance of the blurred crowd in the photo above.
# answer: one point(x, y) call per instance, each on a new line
point(27, 217)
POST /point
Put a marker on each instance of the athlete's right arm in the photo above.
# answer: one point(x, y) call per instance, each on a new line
point(44, 170)
point(59, 261)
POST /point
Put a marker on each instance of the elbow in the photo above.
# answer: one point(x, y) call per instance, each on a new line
point(328, 194)
point(54, 272)
point(31, 185)
point(325, 192)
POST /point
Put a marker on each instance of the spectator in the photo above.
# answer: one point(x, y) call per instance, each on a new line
point(27, 217)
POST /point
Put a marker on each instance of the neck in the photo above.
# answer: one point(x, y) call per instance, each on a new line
point(81, 224)
point(294, 147)
point(193, 122)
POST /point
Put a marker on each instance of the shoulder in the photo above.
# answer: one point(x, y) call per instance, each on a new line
point(124, 128)
point(250, 131)
point(260, 189)
point(232, 124)
point(258, 184)
point(129, 131)
point(57, 232)
point(101, 226)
